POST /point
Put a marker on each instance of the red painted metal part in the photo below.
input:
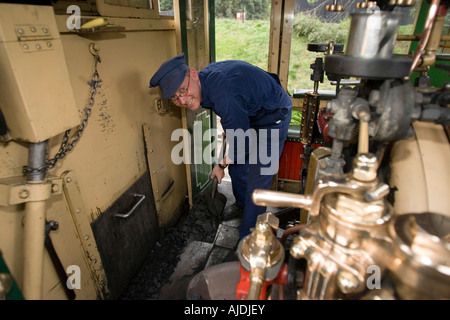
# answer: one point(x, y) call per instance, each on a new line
point(291, 162)
point(244, 283)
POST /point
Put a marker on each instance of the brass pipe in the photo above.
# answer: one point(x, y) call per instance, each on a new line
point(256, 283)
point(309, 202)
point(408, 37)
point(363, 139)
point(328, 184)
point(412, 37)
point(363, 136)
point(281, 199)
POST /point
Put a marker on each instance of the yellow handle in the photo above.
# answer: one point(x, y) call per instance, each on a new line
point(98, 22)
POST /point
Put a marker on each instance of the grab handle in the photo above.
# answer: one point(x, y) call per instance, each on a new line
point(131, 211)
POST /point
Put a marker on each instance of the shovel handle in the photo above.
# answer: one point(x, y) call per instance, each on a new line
point(215, 181)
point(214, 187)
point(224, 146)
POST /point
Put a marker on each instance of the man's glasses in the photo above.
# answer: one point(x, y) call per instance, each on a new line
point(182, 92)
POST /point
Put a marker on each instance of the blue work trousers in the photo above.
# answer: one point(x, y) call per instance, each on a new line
point(258, 170)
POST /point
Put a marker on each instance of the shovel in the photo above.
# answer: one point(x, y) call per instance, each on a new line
point(217, 201)
point(205, 215)
point(209, 206)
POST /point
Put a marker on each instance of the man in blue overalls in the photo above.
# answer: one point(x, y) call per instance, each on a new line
point(254, 111)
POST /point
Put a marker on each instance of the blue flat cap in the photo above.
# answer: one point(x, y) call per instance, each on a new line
point(170, 76)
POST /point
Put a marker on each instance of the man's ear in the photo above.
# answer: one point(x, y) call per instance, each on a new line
point(193, 74)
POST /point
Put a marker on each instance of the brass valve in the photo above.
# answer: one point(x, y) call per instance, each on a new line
point(366, 4)
point(334, 7)
point(402, 3)
point(261, 254)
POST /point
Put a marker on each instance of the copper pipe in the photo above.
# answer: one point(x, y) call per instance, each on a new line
point(291, 230)
point(425, 34)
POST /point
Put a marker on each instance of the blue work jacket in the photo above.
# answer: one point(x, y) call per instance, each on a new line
point(242, 95)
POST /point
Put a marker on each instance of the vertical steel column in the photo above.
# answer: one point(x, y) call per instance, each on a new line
point(34, 226)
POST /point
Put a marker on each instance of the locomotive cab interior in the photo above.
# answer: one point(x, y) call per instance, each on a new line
point(97, 170)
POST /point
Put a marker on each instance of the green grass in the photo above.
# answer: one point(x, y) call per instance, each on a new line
point(249, 41)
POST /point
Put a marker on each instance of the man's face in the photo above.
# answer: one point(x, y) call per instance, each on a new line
point(188, 94)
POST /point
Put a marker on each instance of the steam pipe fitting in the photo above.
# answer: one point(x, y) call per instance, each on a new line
point(362, 178)
point(328, 184)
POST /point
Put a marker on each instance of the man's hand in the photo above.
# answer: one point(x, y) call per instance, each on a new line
point(217, 172)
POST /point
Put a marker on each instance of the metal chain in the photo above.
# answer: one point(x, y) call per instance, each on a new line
point(65, 146)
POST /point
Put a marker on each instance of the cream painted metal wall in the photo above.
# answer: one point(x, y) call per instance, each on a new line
point(421, 172)
point(111, 154)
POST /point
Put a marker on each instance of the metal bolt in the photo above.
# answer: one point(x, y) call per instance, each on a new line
point(380, 192)
point(23, 194)
point(25, 46)
point(33, 29)
point(54, 225)
point(68, 180)
point(365, 167)
point(55, 188)
point(298, 248)
point(38, 46)
point(322, 165)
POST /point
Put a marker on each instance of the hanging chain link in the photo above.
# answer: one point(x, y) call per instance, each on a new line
point(67, 146)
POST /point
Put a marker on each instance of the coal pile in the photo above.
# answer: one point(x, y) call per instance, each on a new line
point(199, 224)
